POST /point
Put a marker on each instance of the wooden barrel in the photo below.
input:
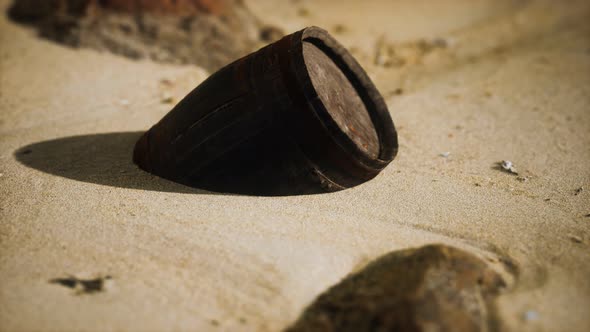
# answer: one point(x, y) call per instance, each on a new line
point(298, 116)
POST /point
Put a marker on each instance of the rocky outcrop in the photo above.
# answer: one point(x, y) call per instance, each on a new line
point(204, 32)
point(433, 288)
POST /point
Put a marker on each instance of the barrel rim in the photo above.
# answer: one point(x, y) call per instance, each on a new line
point(376, 107)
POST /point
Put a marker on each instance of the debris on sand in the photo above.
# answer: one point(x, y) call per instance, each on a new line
point(578, 191)
point(531, 315)
point(166, 82)
point(389, 54)
point(439, 42)
point(303, 12)
point(436, 287)
point(575, 238)
point(167, 98)
point(339, 29)
point(508, 166)
point(270, 33)
point(445, 154)
point(83, 286)
point(395, 92)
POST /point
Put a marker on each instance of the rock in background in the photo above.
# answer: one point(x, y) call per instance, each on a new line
point(203, 32)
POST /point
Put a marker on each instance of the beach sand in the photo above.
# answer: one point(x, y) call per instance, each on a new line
point(485, 81)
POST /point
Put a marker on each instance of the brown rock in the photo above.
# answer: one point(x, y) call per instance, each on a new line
point(433, 288)
point(177, 7)
point(36, 8)
point(208, 33)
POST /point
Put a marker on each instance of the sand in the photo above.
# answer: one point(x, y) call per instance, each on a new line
point(485, 81)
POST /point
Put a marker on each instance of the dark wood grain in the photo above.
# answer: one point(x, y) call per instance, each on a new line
point(299, 116)
point(341, 99)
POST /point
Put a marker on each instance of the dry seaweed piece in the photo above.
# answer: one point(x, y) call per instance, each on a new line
point(432, 288)
point(83, 286)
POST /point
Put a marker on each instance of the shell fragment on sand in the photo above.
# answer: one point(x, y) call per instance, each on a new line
point(509, 167)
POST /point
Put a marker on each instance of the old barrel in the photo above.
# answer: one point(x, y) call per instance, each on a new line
point(299, 116)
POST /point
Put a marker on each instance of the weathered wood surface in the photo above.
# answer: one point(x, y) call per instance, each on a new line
point(298, 116)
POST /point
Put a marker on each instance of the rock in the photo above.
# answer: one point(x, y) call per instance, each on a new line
point(37, 9)
point(177, 7)
point(432, 288)
point(207, 33)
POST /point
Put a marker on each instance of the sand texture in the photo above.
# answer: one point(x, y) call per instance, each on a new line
point(468, 84)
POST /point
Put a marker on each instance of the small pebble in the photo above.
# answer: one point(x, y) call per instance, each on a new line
point(531, 315)
point(578, 191)
point(339, 28)
point(303, 12)
point(167, 99)
point(439, 42)
point(445, 154)
point(271, 33)
point(575, 238)
point(124, 102)
point(166, 82)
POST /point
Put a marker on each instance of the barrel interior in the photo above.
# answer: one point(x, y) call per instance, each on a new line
point(341, 100)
